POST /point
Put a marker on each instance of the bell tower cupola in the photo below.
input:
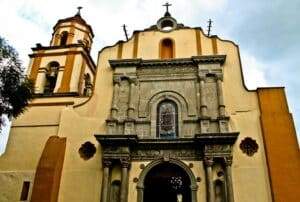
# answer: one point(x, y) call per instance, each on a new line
point(72, 30)
point(65, 67)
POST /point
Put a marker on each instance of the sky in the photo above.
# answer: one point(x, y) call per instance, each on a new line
point(265, 30)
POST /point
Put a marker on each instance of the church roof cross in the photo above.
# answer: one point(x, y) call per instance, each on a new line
point(209, 27)
point(79, 8)
point(167, 6)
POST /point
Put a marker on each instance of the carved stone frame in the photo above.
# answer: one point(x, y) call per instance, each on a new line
point(131, 148)
point(154, 103)
point(143, 174)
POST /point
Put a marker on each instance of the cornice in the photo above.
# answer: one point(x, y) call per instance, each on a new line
point(201, 139)
point(194, 60)
point(84, 52)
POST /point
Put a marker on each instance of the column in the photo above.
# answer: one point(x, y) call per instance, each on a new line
point(228, 162)
point(124, 180)
point(203, 106)
point(114, 108)
point(131, 99)
point(105, 180)
point(220, 97)
point(208, 163)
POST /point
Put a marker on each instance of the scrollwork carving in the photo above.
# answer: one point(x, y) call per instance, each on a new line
point(218, 149)
point(228, 160)
point(125, 162)
point(208, 161)
point(107, 163)
point(249, 146)
point(152, 154)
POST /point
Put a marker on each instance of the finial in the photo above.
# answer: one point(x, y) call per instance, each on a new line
point(209, 27)
point(78, 12)
point(167, 8)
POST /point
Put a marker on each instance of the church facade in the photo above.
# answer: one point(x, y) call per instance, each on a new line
point(163, 116)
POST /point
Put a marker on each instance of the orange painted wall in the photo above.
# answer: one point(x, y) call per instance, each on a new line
point(48, 173)
point(282, 149)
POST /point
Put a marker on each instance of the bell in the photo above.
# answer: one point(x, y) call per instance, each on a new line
point(52, 74)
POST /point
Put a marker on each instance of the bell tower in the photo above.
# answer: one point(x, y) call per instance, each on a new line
point(65, 67)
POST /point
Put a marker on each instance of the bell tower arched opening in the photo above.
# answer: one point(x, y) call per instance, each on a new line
point(51, 77)
point(64, 38)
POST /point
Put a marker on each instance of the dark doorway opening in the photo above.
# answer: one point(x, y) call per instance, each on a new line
point(167, 182)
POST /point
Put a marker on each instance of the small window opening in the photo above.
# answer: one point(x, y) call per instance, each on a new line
point(64, 38)
point(51, 77)
point(167, 49)
point(25, 191)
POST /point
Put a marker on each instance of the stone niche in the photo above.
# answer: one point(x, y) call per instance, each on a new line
point(193, 84)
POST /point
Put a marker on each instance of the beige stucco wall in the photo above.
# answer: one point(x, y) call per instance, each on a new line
point(81, 180)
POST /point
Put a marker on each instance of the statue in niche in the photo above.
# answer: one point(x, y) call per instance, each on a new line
point(115, 191)
point(219, 191)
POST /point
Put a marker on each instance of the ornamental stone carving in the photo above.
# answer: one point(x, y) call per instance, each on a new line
point(139, 85)
point(249, 146)
point(87, 150)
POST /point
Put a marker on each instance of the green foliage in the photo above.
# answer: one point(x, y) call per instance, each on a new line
point(15, 88)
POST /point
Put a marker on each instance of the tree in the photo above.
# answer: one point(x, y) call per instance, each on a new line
point(15, 88)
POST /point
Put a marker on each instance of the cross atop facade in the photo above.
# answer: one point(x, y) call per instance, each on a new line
point(167, 6)
point(78, 8)
point(209, 27)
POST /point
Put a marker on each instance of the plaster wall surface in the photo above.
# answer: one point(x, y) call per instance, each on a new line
point(81, 179)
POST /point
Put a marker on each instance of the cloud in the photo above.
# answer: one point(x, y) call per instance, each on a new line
point(253, 71)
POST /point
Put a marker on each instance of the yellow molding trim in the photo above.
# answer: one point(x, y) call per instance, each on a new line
point(65, 83)
point(198, 42)
point(35, 65)
point(71, 34)
point(56, 39)
point(34, 125)
point(135, 45)
point(120, 50)
point(62, 54)
point(214, 45)
point(51, 103)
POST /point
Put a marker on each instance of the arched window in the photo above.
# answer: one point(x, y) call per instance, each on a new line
point(167, 120)
point(51, 77)
point(166, 49)
point(87, 91)
point(63, 38)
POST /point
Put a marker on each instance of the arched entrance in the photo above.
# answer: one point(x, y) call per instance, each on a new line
point(167, 182)
point(170, 181)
